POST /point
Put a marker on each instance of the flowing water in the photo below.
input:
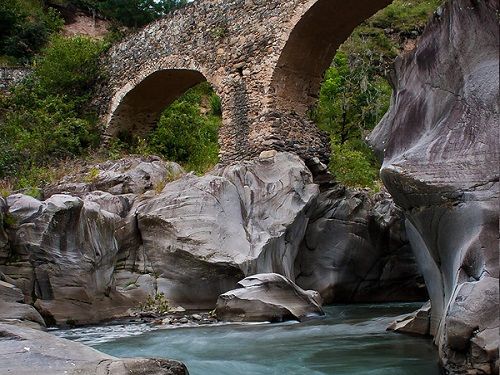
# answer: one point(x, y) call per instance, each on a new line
point(351, 339)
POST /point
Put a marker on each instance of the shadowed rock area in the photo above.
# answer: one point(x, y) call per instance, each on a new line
point(355, 249)
point(440, 147)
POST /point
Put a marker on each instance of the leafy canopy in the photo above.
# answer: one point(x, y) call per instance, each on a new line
point(25, 27)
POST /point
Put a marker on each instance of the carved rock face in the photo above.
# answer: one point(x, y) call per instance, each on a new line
point(355, 250)
point(440, 144)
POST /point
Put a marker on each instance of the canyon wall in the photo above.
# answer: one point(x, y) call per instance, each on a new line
point(440, 147)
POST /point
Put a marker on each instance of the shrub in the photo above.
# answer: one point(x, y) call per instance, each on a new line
point(25, 27)
point(157, 304)
point(185, 135)
point(69, 66)
point(352, 167)
point(45, 118)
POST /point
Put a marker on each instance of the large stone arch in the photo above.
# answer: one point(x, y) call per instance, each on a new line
point(266, 60)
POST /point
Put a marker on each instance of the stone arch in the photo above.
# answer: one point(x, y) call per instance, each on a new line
point(138, 106)
point(321, 26)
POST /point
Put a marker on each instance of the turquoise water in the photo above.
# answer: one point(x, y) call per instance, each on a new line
point(351, 339)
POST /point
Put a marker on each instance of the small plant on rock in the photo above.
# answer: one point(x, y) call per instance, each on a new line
point(92, 175)
point(157, 304)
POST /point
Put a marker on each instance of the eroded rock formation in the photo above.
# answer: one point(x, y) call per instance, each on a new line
point(201, 235)
point(93, 255)
point(440, 146)
point(268, 297)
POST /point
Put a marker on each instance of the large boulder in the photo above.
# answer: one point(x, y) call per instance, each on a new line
point(12, 306)
point(440, 147)
point(62, 256)
point(268, 297)
point(203, 234)
point(355, 250)
point(417, 323)
point(26, 351)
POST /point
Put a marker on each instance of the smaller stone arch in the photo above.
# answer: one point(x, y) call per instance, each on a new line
point(137, 108)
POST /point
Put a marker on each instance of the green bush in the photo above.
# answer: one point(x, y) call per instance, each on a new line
point(69, 66)
point(46, 118)
point(25, 27)
point(185, 135)
point(131, 13)
point(352, 167)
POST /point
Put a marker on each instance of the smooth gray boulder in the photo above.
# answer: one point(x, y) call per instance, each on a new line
point(202, 235)
point(268, 297)
point(417, 323)
point(62, 256)
point(355, 250)
point(440, 147)
point(25, 351)
point(14, 312)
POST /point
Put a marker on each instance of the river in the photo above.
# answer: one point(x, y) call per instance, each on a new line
point(351, 339)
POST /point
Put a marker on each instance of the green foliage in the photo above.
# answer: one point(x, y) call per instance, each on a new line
point(185, 133)
point(352, 167)
point(135, 13)
point(130, 13)
point(352, 99)
point(157, 304)
point(355, 93)
point(25, 27)
point(405, 16)
point(45, 118)
point(69, 66)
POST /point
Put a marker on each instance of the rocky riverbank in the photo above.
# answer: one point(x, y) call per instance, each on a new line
point(26, 351)
point(82, 255)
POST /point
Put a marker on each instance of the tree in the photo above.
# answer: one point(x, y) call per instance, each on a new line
point(130, 13)
point(25, 28)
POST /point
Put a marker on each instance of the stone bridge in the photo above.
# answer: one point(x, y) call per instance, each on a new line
point(264, 58)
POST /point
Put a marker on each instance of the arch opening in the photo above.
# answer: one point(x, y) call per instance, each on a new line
point(175, 114)
point(138, 111)
point(310, 49)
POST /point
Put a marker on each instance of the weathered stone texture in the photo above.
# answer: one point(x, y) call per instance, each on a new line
point(27, 351)
point(90, 257)
point(265, 59)
point(440, 144)
point(10, 76)
point(201, 235)
point(268, 297)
